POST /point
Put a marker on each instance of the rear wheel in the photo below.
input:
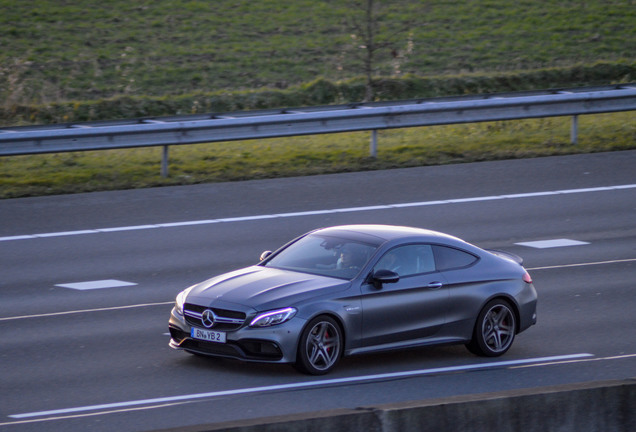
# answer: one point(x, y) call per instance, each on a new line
point(495, 329)
point(320, 346)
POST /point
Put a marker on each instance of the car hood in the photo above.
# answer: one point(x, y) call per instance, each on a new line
point(262, 288)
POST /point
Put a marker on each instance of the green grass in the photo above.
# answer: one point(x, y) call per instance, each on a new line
point(130, 55)
point(53, 50)
point(308, 155)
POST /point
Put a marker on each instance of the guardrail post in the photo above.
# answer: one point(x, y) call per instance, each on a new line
point(373, 147)
point(164, 162)
point(574, 130)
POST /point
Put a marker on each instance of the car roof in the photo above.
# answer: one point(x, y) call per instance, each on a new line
point(386, 233)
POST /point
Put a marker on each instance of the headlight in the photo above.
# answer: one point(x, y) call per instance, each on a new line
point(271, 318)
point(181, 297)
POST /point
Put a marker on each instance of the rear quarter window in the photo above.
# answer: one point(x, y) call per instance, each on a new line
point(447, 258)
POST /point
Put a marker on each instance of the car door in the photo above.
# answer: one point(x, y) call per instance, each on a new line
point(412, 308)
point(467, 289)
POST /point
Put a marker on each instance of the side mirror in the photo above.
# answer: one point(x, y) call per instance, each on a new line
point(265, 254)
point(382, 276)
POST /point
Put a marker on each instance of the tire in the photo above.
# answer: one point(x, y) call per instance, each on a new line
point(494, 330)
point(320, 346)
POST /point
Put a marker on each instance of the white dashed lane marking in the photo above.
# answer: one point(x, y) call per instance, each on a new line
point(98, 284)
point(545, 244)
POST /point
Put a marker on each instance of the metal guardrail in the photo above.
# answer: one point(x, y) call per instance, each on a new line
point(259, 124)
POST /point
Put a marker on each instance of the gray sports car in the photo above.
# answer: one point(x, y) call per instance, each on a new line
point(356, 289)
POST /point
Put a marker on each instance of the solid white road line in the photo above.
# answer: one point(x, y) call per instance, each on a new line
point(582, 264)
point(172, 302)
point(302, 385)
point(85, 311)
point(558, 362)
point(318, 212)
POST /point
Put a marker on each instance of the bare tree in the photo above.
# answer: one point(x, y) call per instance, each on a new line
point(365, 19)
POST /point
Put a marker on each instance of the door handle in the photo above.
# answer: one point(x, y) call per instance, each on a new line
point(434, 285)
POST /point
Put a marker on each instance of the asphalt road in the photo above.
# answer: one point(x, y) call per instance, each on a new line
point(98, 359)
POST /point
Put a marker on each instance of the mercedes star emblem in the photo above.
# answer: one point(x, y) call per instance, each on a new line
point(207, 318)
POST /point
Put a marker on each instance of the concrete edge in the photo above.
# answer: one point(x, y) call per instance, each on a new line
point(544, 406)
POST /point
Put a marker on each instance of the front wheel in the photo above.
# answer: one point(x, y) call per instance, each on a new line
point(494, 330)
point(320, 346)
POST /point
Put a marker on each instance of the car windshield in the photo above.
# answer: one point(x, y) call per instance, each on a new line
point(324, 255)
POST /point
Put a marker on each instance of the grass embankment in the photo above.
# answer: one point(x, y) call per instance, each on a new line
point(297, 156)
point(92, 49)
point(96, 60)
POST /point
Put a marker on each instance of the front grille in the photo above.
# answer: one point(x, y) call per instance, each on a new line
point(225, 320)
point(261, 349)
point(248, 350)
point(177, 334)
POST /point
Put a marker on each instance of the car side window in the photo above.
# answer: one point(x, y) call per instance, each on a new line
point(448, 258)
point(408, 260)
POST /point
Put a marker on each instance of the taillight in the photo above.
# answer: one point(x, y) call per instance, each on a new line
point(526, 278)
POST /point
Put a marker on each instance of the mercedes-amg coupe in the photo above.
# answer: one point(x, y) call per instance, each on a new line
point(356, 289)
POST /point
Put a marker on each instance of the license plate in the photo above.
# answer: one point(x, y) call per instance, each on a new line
point(207, 335)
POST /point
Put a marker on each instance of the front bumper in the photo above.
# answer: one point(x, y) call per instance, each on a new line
point(275, 344)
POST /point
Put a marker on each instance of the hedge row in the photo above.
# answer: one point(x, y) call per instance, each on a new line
point(319, 92)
